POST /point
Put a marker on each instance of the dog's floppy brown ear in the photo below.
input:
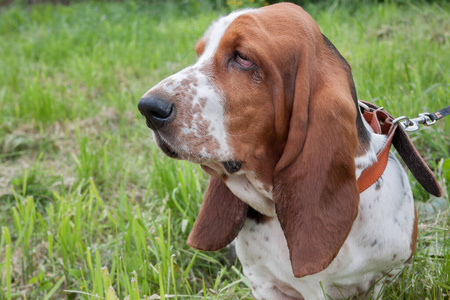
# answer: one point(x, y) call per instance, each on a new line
point(221, 217)
point(315, 191)
point(315, 194)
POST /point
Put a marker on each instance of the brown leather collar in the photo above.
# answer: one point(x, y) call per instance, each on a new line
point(381, 123)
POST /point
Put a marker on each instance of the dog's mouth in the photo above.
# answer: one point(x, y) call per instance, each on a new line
point(166, 148)
point(216, 169)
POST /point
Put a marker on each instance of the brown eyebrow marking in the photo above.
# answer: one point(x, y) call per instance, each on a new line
point(200, 47)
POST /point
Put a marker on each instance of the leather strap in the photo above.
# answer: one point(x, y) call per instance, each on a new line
point(415, 162)
point(381, 123)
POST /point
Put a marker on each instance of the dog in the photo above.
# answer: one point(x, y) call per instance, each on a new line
point(270, 111)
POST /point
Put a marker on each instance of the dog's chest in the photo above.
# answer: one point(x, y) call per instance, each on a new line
point(263, 252)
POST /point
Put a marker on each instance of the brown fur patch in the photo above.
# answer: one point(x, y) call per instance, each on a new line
point(200, 47)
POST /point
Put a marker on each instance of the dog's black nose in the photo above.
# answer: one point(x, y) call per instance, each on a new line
point(156, 111)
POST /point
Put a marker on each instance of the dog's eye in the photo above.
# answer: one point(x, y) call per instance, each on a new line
point(243, 61)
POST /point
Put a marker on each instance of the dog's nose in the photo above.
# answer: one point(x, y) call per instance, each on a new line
point(156, 111)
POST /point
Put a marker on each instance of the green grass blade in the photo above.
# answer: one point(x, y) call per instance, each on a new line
point(54, 289)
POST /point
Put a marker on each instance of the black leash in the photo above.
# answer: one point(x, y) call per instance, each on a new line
point(440, 114)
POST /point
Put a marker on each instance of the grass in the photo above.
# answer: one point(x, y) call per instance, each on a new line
point(90, 209)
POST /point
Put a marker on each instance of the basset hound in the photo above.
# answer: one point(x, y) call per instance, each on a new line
point(270, 111)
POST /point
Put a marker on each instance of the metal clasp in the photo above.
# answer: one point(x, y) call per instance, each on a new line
point(413, 124)
point(427, 120)
point(407, 124)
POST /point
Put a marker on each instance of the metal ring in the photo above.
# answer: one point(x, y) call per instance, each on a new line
point(363, 105)
point(400, 119)
point(412, 126)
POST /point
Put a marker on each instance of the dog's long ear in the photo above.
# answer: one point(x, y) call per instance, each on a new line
point(221, 217)
point(315, 191)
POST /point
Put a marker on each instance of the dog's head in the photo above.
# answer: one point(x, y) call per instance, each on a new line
point(268, 96)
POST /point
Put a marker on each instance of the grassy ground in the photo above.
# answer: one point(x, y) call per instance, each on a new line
point(88, 202)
